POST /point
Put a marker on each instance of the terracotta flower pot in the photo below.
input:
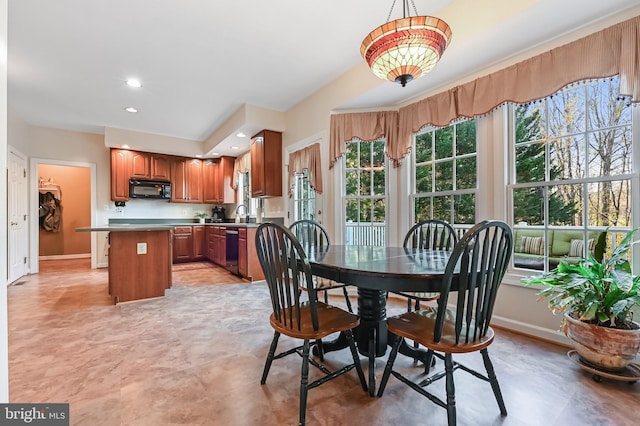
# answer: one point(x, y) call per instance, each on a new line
point(606, 348)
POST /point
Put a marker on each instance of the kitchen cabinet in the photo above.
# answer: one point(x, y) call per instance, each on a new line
point(266, 164)
point(134, 275)
point(160, 167)
point(248, 262)
point(199, 243)
point(186, 180)
point(210, 242)
point(210, 180)
point(182, 244)
point(140, 165)
point(145, 165)
point(220, 246)
point(218, 180)
point(120, 174)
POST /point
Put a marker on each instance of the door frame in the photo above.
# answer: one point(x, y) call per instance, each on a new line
point(34, 240)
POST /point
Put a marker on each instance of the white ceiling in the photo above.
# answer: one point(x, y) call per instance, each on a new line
point(201, 60)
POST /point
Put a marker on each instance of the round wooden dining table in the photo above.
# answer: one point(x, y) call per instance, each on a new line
point(375, 271)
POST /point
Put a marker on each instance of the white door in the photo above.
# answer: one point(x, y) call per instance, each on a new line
point(17, 215)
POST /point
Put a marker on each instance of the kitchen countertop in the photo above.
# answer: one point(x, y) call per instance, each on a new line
point(130, 227)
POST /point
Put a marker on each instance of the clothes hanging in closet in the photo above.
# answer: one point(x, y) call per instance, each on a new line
point(50, 212)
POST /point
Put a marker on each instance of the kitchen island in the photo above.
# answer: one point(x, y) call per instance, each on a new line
point(139, 260)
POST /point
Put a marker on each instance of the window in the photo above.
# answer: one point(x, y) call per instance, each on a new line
point(445, 174)
point(573, 174)
point(304, 198)
point(365, 201)
point(244, 193)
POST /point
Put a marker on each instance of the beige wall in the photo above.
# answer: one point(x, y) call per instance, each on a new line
point(75, 205)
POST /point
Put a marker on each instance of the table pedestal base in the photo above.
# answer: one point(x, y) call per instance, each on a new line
point(371, 336)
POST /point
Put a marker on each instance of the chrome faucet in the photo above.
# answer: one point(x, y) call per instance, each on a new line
point(246, 212)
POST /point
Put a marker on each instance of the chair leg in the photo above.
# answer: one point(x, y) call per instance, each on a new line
point(326, 297)
point(431, 361)
point(346, 298)
point(488, 365)
point(451, 390)
point(408, 304)
point(389, 366)
point(304, 381)
point(372, 361)
point(356, 359)
point(270, 355)
point(320, 349)
point(415, 344)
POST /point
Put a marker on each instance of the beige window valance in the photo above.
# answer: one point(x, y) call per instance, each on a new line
point(612, 51)
point(306, 158)
point(241, 165)
point(366, 126)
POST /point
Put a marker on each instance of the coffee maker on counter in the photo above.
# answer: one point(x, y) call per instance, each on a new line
point(218, 214)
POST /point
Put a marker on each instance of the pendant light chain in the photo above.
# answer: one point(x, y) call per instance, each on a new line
point(405, 6)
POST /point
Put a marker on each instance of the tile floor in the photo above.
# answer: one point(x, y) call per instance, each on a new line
point(195, 357)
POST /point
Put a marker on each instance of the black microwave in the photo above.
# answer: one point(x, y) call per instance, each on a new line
point(149, 189)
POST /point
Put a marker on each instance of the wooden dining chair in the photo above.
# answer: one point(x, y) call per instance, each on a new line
point(285, 264)
point(429, 234)
point(312, 234)
point(474, 271)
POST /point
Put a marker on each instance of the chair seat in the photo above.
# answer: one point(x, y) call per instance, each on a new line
point(330, 318)
point(419, 295)
point(418, 326)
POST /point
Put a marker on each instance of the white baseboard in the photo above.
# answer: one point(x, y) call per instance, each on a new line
point(555, 336)
point(65, 256)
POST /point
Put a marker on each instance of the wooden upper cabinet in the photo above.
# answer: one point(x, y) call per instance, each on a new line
point(160, 167)
point(218, 180)
point(120, 174)
point(210, 181)
point(140, 165)
point(226, 193)
point(186, 180)
point(145, 165)
point(266, 164)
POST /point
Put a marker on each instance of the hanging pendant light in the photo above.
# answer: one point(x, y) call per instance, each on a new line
point(407, 48)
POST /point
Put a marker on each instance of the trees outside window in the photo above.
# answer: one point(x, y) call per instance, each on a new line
point(573, 163)
point(445, 174)
point(365, 193)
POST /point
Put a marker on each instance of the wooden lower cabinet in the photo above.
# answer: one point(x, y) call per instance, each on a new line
point(248, 263)
point(134, 275)
point(220, 246)
point(199, 243)
point(182, 244)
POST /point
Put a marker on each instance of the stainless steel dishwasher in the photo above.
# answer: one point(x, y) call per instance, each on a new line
point(232, 250)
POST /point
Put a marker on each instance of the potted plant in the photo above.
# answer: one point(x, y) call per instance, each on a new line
point(596, 299)
point(201, 216)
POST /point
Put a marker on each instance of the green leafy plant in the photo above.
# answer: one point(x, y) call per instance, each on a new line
point(201, 215)
point(601, 293)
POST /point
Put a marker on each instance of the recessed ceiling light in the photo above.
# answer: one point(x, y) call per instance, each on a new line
point(131, 109)
point(133, 82)
point(235, 147)
point(215, 153)
point(199, 155)
point(125, 146)
point(241, 135)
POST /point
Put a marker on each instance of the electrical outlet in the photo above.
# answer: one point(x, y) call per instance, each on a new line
point(142, 248)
